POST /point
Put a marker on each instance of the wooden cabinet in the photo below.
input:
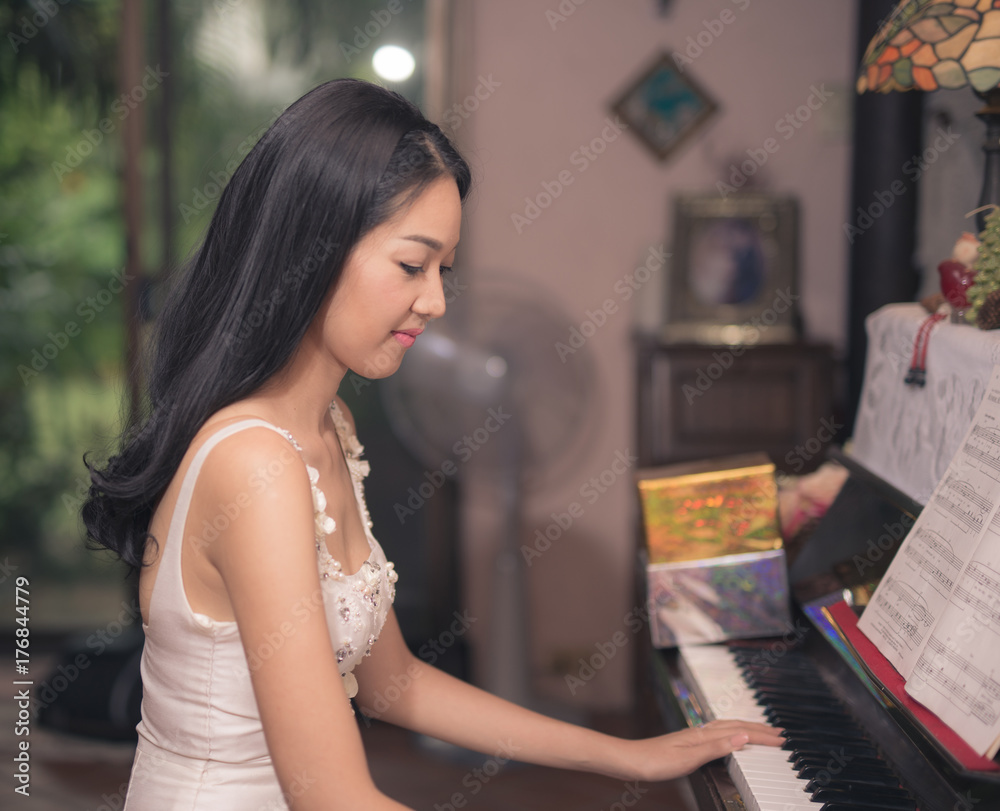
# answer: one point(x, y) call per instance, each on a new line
point(697, 401)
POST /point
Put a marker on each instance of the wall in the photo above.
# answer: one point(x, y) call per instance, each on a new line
point(546, 85)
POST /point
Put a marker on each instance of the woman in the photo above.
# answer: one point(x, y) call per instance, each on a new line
point(238, 496)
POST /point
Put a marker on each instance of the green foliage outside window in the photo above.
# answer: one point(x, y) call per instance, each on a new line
point(237, 64)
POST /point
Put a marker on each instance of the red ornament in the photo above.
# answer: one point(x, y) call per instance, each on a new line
point(956, 278)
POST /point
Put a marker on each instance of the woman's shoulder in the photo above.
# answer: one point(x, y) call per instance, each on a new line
point(257, 458)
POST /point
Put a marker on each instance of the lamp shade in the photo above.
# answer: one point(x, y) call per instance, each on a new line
point(935, 44)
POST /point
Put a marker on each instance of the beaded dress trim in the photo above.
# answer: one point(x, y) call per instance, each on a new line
point(363, 590)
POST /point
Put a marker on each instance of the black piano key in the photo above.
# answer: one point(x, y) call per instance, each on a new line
point(801, 678)
point(841, 769)
point(873, 780)
point(833, 762)
point(862, 807)
point(802, 681)
point(792, 710)
point(818, 722)
point(848, 751)
point(820, 718)
point(774, 697)
point(763, 663)
point(791, 699)
point(823, 775)
point(862, 804)
point(828, 736)
point(856, 791)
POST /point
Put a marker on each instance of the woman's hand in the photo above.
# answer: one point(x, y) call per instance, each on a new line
point(670, 756)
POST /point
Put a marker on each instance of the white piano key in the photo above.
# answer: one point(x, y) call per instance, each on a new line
point(762, 774)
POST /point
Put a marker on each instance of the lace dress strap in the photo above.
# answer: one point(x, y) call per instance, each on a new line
point(353, 449)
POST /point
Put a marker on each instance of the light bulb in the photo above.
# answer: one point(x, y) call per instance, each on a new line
point(393, 63)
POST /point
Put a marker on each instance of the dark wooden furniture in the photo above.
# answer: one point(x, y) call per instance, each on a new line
point(697, 401)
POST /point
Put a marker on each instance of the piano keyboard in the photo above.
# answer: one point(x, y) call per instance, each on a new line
point(827, 762)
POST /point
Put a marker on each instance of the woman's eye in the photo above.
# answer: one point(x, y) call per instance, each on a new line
point(446, 268)
point(411, 269)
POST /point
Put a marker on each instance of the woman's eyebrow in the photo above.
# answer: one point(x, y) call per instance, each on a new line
point(430, 242)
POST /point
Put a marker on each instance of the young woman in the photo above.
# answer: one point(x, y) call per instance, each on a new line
point(266, 601)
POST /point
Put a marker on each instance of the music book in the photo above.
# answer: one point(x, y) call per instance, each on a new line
point(936, 613)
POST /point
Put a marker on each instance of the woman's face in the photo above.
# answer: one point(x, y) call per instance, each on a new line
point(391, 284)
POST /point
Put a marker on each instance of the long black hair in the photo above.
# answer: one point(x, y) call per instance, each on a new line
point(338, 162)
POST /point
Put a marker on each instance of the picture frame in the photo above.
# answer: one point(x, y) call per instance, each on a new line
point(664, 106)
point(734, 273)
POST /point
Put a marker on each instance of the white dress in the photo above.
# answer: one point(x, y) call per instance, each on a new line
point(201, 743)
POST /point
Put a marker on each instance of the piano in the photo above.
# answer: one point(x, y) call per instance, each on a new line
point(852, 743)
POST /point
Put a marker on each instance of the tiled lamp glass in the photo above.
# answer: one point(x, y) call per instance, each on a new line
point(933, 45)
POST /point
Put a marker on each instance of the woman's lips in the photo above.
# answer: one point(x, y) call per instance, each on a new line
point(406, 337)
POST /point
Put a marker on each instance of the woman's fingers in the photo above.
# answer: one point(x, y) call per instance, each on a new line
point(740, 733)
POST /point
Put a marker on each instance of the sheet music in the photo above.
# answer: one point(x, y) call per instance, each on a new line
point(957, 675)
point(922, 578)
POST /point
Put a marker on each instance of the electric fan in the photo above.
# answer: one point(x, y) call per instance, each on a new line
point(498, 380)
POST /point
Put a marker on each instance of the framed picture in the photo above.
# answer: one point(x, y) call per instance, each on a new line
point(664, 106)
point(734, 277)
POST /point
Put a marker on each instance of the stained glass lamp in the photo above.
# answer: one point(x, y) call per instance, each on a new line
point(936, 44)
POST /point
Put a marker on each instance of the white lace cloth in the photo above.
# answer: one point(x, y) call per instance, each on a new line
point(908, 434)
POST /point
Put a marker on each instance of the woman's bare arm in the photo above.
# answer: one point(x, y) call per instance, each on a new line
point(267, 561)
point(397, 687)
